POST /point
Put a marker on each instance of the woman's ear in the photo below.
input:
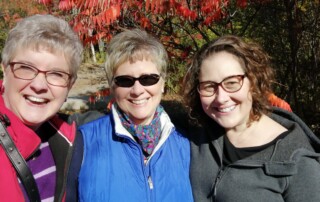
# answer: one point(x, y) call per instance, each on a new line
point(71, 84)
point(163, 83)
point(2, 67)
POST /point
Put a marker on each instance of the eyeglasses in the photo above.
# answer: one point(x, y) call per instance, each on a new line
point(230, 84)
point(128, 81)
point(28, 72)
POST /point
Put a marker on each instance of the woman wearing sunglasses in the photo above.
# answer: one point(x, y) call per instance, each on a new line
point(134, 153)
point(244, 150)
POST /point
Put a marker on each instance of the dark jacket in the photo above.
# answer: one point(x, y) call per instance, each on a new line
point(288, 170)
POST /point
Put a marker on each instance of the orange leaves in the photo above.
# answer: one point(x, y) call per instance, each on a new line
point(7, 17)
point(154, 6)
point(212, 6)
point(170, 6)
point(45, 2)
point(186, 12)
point(92, 99)
point(191, 10)
point(278, 102)
point(78, 27)
point(99, 12)
point(91, 3)
point(106, 16)
point(94, 15)
point(145, 23)
point(112, 13)
point(147, 5)
point(66, 5)
point(12, 11)
point(213, 10)
point(101, 95)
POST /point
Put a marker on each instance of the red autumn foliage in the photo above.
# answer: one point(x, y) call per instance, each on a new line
point(66, 5)
point(106, 15)
point(92, 99)
point(278, 102)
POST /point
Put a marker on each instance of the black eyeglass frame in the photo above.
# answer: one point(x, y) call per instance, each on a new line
point(37, 71)
point(216, 85)
point(132, 80)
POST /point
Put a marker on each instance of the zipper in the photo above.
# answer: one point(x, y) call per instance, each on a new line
point(144, 164)
point(66, 167)
point(150, 182)
point(150, 185)
point(219, 176)
point(145, 170)
point(213, 191)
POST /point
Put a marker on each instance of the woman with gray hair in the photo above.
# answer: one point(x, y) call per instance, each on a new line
point(134, 153)
point(40, 60)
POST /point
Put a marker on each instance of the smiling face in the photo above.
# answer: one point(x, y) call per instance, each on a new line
point(229, 110)
point(138, 102)
point(35, 101)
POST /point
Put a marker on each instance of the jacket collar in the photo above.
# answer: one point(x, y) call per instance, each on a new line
point(26, 140)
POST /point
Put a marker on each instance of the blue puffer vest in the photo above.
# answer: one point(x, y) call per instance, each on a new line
point(113, 168)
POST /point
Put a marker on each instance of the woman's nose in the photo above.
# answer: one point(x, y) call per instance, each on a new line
point(137, 88)
point(39, 83)
point(221, 95)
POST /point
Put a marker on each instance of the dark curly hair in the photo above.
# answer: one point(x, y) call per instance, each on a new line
point(256, 64)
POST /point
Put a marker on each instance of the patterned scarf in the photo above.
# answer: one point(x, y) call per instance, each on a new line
point(146, 135)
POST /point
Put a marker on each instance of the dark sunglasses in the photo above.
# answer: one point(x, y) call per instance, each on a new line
point(128, 81)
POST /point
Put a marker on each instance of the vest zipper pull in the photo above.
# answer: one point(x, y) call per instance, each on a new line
point(150, 182)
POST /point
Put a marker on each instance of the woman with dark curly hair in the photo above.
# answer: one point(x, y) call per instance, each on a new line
point(242, 148)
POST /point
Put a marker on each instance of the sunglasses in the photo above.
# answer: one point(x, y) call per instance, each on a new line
point(128, 81)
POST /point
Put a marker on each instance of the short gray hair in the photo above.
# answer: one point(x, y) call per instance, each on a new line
point(134, 45)
point(45, 32)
